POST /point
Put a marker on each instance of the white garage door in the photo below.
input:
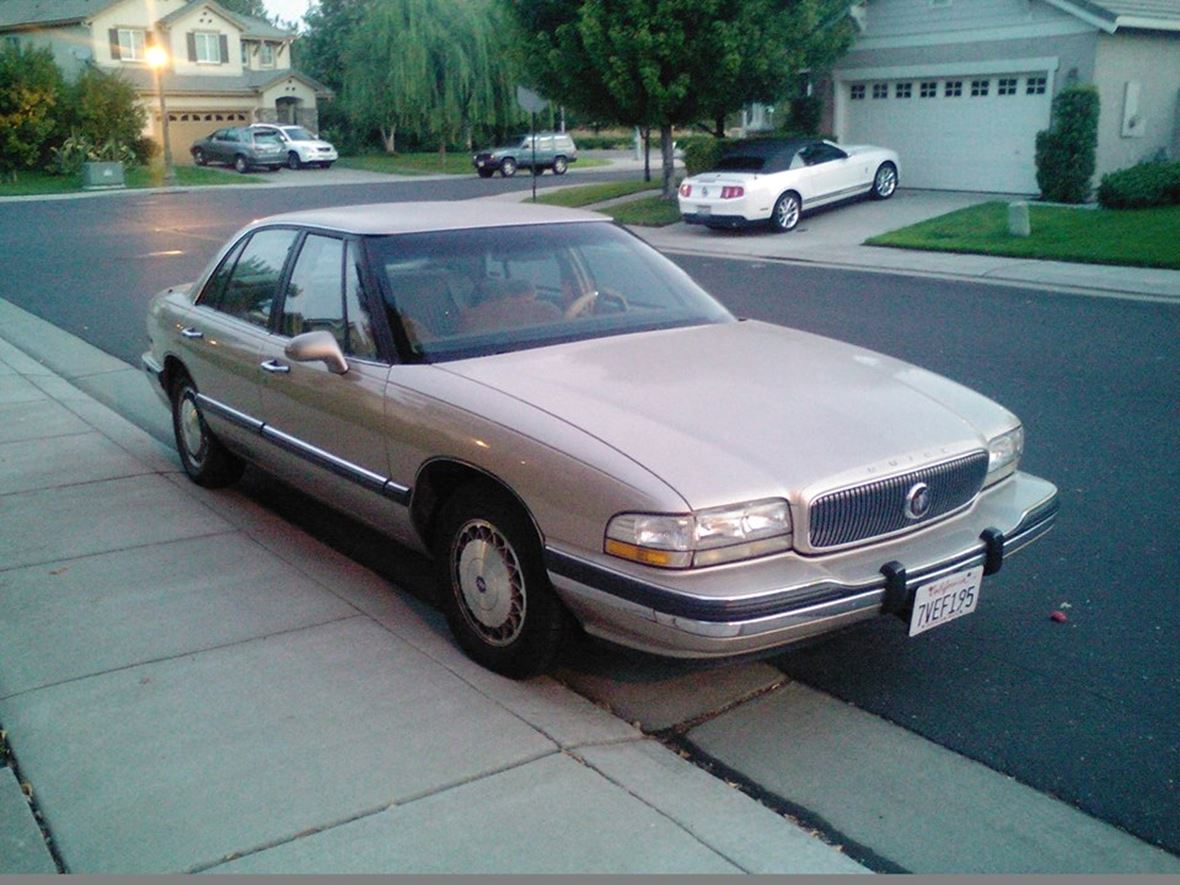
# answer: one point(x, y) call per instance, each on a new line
point(973, 133)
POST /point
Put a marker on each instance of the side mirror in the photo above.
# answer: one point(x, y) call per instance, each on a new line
point(318, 346)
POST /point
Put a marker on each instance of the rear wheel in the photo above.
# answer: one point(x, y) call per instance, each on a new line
point(199, 157)
point(485, 173)
point(884, 182)
point(241, 163)
point(206, 461)
point(786, 213)
point(508, 168)
point(493, 586)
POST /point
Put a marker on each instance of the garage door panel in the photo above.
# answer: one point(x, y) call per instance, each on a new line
point(185, 127)
point(982, 142)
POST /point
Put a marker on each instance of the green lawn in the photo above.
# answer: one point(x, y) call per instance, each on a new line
point(1135, 237)
point(587, 194)
point(646, 212)
point(430, 163)
point(37, 183)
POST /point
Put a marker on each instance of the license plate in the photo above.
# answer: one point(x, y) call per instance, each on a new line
point(943, 600)
point(704, 210)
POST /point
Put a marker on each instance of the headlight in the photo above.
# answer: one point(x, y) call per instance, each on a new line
point(1003, 455)
point(706, 537)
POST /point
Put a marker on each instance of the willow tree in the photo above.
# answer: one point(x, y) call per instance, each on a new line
point(427, 68)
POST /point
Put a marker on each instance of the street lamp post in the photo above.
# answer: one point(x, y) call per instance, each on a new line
point(157, 58)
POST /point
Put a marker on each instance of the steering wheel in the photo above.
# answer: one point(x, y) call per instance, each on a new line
point(587, 302)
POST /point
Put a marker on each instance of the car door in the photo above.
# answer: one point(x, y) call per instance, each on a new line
point(227, 327)
point(325, 427)
point(831, 173)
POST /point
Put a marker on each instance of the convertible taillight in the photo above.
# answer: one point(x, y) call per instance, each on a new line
point(732, 192)
point(686, 190)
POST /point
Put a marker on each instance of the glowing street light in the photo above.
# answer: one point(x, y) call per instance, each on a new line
point(157, 59)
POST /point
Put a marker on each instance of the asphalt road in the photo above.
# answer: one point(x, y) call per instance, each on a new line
point(1085, 710)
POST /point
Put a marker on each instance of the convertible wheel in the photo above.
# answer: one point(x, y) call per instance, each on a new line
point(241, 164)
point(508, 168)
point(293, 161)
point(786, 213)
point(199, 157)
point(559, 165)
point(884, 182)
point(206, 461)
point(492, 585)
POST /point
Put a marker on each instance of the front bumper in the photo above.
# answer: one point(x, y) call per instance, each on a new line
point(777, 600)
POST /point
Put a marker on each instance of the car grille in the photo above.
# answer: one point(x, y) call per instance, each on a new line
point(878, 508)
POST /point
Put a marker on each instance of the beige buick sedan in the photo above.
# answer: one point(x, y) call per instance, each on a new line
point(579, 435)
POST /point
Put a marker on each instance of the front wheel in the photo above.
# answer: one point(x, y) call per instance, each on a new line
point(293, 161)
point(884, 182)
point(206, 461)
point(786, 213)
point(492, 584)
point(559, 166)
point(508, 168)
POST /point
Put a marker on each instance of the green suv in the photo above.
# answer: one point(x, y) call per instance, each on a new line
point(554, 150)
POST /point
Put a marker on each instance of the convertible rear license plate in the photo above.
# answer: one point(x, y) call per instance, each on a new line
point(943, 600)
point(704, 210)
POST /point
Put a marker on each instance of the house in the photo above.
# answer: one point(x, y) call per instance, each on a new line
point(224, 69)
point(960, 87)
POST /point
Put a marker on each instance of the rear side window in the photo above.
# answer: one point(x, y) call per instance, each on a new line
point(250, 287)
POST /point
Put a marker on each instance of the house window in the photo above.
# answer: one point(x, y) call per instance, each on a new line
point(245, 53)
point(268, 55)
point(208, 47)
point(858, 91)
point(980, 87)
point(929, 89)
point(952, 88)
point(903, 90)
point(1007, 86)
point(131, 44)
point(880, 90)
point(1035, 86)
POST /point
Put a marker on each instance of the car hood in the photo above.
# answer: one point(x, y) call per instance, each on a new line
point(313, 142)
point(739, 411)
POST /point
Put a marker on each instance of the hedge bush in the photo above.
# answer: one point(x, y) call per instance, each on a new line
point(1065, 152)
point(1148, 184)
point(701, 152)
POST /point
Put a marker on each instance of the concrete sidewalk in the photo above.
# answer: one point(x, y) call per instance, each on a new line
point(189, 683)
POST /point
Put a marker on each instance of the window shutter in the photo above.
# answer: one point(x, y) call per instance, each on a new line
point(191, 39)
point(116, 53)
point(224, 40)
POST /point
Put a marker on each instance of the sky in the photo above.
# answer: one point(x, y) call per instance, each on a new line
point(288, 10)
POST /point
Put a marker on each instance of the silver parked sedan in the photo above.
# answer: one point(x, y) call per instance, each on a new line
point(579, 435)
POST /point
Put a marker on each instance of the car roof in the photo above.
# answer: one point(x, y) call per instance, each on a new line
point(400, 218)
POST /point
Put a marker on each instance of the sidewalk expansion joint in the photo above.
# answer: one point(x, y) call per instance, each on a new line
point(8, 759)
point(93, 553)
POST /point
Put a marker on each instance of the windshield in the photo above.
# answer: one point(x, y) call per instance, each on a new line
point(463, 293)
point(298, 133)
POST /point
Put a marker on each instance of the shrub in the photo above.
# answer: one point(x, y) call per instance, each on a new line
point(701, 152)
point(105, 109)
point(806, 115)
point(1138, 187)
point(1065, 152)
point(31, 87)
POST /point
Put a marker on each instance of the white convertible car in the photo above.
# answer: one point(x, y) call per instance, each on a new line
point(773, 182)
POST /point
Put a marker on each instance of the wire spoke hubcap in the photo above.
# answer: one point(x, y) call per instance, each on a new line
point(490, 584)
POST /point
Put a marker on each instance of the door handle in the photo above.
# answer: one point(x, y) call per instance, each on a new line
point(275, 367)
point(191, 332)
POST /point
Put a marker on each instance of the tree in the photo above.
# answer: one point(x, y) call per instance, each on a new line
point(105, 109)
point(251, 8)
point(670, 62)
point(31, 87)
point(426, 68)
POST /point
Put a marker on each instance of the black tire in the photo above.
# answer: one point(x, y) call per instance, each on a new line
point(492, 584)
point(559, 165)
point(508, 167)
point(485, 173)
point(199, 157)
point(293, 161)
point(884, 182)
point(785, 215)
point(206, 461)
point(273, 168)
point(241, 164)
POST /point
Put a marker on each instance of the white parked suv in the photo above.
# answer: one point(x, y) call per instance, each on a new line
point(303, 147)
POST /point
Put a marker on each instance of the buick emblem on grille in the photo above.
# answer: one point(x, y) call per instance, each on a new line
point(917, 501)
